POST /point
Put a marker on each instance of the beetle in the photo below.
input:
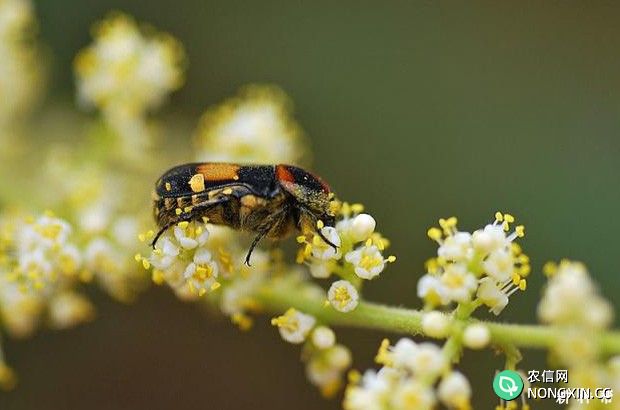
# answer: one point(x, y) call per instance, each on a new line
point(269, 200)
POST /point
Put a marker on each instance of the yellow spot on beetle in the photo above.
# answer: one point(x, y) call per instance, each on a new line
point(168, 186)
point(197, 183)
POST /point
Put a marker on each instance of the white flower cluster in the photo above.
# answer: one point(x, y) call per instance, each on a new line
point(408, 380)
point(567, 294)
point(572, 303)
point(43, 253)
point(107, 256)
point(107, 213)
point(359, 254)
point(19, 72)
point(326, 361)
point(254, 127)
point(38, 267)
point(126, 73)
point(486, 265)
point(126, 69)
point(196, 258)
point(182, 260)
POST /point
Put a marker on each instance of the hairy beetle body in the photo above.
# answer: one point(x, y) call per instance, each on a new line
point(269, 200)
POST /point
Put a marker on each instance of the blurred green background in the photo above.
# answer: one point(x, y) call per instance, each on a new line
point(417, 109)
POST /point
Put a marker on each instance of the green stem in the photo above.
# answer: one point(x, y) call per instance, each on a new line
point(367, 315)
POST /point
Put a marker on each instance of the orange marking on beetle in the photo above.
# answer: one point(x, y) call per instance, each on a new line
point(283, 174)
point(218, 172)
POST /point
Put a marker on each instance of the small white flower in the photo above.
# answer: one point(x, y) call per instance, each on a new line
point(427, 360)
point(201, 274)
point(184, 240)
point(371, 394)
point(358, 228)
point(403, 353)
point(435, 324)
point(490, 238)
point(476, 336)
point(320, 269)
point(499, 264)
point(323, 337)
point(432, 290)
point(294, 326)
point(367, 260)
point(458, 283)
point(412, 394)
point(321, 249)
point(492, 296)
point(182, 259)
point(454, 391)
point(343, 296)
point(339, 356)
point(456, 247)
point(321, 374)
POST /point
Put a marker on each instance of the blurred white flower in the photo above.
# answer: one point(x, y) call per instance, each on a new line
point(126, 69)
point(432, 291)
point(325, 368)
point(20, 72)
point(294, 326)
point(476, 336)
point(454, 391)
point(436, 324)
point(570, 298)
point(412, 394)
point(323, 337)
point(68, 308)
point(255, 127)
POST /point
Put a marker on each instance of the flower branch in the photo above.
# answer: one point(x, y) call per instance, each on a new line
point(368, 315)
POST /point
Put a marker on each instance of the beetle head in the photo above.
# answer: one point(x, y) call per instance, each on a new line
point(308, 190)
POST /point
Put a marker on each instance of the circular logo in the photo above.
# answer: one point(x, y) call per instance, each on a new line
point(508, 385)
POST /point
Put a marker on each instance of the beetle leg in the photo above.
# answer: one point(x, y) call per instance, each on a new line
point(160, 232)
point(191, 215)
point(255, 242)
point(327, 241)
point(319, 232)
point(273, 222)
